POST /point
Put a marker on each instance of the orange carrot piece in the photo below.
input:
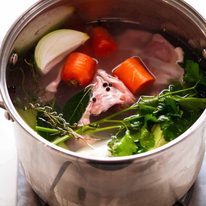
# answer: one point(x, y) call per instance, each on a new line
point(79, 69)
point(102, 42)
point(134, 74)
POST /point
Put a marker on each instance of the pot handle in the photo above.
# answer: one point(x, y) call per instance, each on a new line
point(7, 115)
point(60, 173)
point(2, 105)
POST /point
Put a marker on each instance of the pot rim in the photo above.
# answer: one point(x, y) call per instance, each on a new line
point(181, 5)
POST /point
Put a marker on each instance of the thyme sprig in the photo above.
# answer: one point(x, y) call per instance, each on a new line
point(56, 124)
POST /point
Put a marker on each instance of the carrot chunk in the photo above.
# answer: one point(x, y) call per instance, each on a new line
point(134, 74)
point(79, 69)
point(102, 42)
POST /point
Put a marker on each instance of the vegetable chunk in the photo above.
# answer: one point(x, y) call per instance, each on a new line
point(133, 74)
point(102, 42)
point(55, 46)
point(79, 69)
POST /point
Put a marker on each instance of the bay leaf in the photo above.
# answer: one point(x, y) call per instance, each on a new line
point(76, 106)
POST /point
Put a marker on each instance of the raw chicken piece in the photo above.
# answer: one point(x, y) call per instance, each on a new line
point(162, 59)
point(52, 86)
point(136, 39)
point(49, 83)
point(161, 49)
point(107, 91)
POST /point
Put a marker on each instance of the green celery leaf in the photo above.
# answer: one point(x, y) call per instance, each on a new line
point(29, 116)
point(175, 126)
point(122, 146)
point(146, 109)
point(171, 105)
point(145, 138)
point(76, 106)
point(134, 122)
point(158, 136)
point(191, 103)
point(151, 101)
point(192, 74)
point(170, 130)
point(150, 118)
point(168, 106)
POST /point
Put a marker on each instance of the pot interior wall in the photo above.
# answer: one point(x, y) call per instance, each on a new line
point(152, 15)
point(155, 15)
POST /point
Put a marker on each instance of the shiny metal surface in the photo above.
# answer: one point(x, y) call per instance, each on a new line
point(159, 177)
point(164, 177)
point(195, 197)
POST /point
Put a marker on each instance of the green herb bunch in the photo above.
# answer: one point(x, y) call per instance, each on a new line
point(149, 123)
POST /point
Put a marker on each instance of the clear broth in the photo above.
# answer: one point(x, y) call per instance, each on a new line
point(26, 85)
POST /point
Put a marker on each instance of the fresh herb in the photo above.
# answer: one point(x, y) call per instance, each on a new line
point(123, 146)
point(52, 126)
point(194, 75)
point(75, 107)
point(149, 123)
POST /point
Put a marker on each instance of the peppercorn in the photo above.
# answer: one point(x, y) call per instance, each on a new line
point(94, 99)
point(108, 89)
point(105, 84)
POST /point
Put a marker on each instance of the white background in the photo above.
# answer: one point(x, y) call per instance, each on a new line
point(9, 11)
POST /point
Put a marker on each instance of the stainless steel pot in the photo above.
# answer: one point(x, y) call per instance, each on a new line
point(61, 177)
